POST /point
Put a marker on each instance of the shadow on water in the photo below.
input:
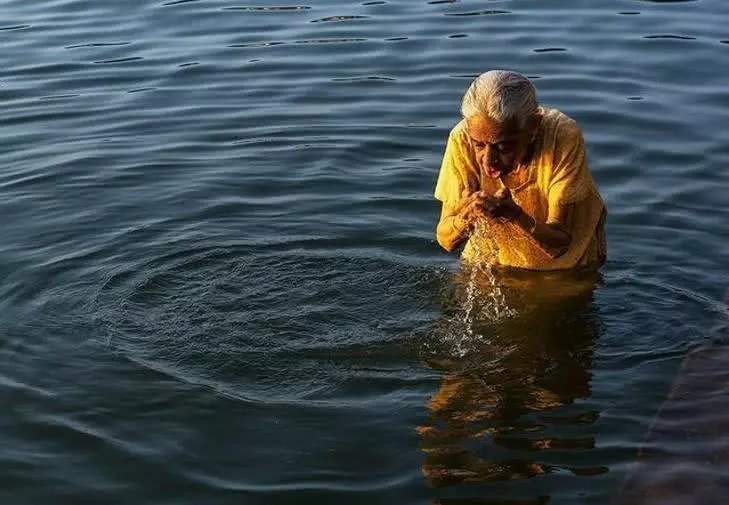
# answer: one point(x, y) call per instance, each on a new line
point(685, 454)
point(508, 408)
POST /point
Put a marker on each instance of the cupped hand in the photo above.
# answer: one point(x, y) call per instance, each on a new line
point(480, 205)
point(505, 207)
point(476, 205)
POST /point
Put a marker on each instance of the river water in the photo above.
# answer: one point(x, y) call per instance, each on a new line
point(218, 275)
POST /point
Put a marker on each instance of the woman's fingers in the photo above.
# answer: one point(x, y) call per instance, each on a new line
point(480, 204)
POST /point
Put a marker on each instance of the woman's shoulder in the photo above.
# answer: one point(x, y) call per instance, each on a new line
point(559, 125)
point(458, 132)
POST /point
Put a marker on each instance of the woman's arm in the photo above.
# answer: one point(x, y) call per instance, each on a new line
point(552, 237)
point(452, 229)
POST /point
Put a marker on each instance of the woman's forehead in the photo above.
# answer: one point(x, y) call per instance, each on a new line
point(484, 129)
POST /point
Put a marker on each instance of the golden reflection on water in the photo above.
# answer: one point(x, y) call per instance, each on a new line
point(505, 404)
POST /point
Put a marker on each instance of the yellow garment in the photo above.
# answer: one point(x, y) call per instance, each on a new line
point(556, 176)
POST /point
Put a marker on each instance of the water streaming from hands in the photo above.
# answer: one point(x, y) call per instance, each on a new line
point(484, 300)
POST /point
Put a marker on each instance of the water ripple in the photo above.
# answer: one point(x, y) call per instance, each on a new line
point(14, 27)
point(303, 42)
point(271, 8)
point(488, 12)
point(178, 2)
point(121, 60)
point(259, 44)
point(58, 97)
point(335, 19)
point(364, 78)
point(669, 36)
point(330, 41)
point(98, 44)
point(224, 230)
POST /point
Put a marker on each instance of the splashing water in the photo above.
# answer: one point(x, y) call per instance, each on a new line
point(493, 306)
point(484, 301)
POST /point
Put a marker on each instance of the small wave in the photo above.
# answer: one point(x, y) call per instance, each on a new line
point(120, 60)
point(259, 44)
point(270, 8)
point(97, 44)
point(488, 12)
point(87, 433)
point(59, 97)
point(330, 41)
point(335, 19)
point(464, 76)
point(13, 27)
point(10, 383)
point(341, 40)
point(669, 36)
point(364, 78)
point(178, 2)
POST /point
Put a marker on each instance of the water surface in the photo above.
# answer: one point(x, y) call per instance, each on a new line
point(218, 276)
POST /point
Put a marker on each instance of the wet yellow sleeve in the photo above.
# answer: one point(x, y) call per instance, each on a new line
point(453, 178)
point(570, 181)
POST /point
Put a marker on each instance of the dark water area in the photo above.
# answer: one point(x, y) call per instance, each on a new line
point(218, 275)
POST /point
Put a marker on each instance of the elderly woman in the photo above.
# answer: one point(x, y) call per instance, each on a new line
point(514, 180)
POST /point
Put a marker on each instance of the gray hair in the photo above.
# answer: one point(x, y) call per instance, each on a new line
point(501, 95)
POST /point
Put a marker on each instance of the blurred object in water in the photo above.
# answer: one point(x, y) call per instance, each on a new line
point(686, 455)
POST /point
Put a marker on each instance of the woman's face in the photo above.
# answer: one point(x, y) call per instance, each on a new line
point(499, 147)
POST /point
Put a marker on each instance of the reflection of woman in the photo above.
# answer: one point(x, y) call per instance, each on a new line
point(540, 361)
